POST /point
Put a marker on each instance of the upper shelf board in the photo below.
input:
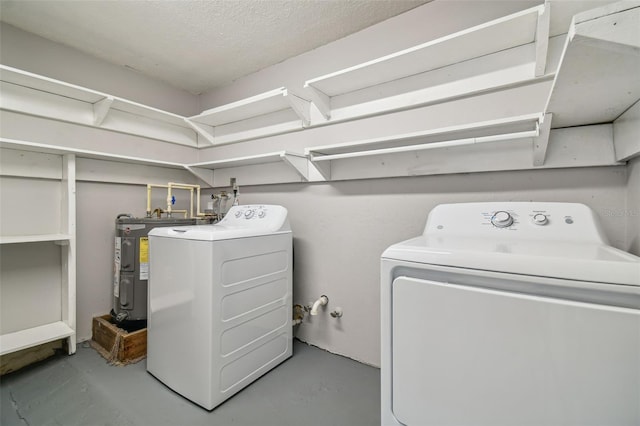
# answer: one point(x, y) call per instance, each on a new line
point(83, 153)
point(72, 91)
point(491, 128)
point(494, 36)
point(272, 157)
point(599, 74)
point(264, 103)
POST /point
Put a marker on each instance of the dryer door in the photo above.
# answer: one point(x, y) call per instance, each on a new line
point(471, 356)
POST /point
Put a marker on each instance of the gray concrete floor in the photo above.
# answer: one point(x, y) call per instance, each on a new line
point(313, 387)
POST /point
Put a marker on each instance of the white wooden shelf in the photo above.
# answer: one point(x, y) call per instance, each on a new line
point(48, 272)
point(33, 94)
point(280, 166)
point(15, 239)
point(599, 74)
point(12, 342)
point(521, 128)
point(261, 115)
point(83, 153)
point(527, 27)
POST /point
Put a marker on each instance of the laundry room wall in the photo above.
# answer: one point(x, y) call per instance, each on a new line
point(341, 228)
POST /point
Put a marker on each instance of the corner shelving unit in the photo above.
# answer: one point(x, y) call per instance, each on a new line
point(527, 31)
point(280, 166)
point(269, 113)
point(599, 74)
point(600, 67)
point(33, 94)
point(33, 328)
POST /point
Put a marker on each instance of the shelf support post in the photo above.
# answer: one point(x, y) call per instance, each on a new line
point(68, 226)
point(541, 142)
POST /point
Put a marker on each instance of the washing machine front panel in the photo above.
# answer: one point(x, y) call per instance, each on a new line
point(180, 319)
point(487, 357)
point(235, 322)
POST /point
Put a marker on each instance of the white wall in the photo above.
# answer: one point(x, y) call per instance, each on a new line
point(35, 54)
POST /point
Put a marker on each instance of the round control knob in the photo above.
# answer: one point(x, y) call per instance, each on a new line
point(540, 219)
point(502, 219)
point(248, 214)
point(239, 213)
point(262, 214)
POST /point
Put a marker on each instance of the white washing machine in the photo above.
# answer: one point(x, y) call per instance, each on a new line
point(220, 301)
point(514, 313)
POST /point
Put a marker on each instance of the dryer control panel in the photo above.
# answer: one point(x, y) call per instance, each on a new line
point(530, 220)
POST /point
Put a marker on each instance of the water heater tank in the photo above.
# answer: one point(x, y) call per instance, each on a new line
point(131, 267)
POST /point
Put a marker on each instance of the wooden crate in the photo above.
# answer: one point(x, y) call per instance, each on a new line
point(118, 346)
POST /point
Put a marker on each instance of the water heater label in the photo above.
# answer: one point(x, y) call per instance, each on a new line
point(144, 258)
point(116, 266)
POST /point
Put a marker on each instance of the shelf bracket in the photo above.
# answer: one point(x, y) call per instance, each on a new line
point(321, 101)
point(301, 108)
point(299, 164)
point(542, 38)
point(205, 175)
point(208, 135)
point(541, 142)
point(322, 170)
point(101, 109)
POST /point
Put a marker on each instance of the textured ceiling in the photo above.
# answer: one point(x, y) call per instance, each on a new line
point(198, 45)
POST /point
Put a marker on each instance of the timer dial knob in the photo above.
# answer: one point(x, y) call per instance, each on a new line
point(540, 219)
point(249, 214)
point(502, 219)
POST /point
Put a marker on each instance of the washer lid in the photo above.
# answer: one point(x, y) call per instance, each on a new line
point(555, 259)
point(239, 222)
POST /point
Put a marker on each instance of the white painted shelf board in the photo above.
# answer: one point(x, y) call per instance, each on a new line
point(264, 103)
point(494, 36)
point(12, 342)
point(82, 153)
point(599, 74)
point(67, 90)
point(518, 124)
point(14, 239)
point(433, 145)
point(272, 157)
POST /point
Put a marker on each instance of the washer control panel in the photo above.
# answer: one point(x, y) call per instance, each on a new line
point(256, 215)
point(558, 221)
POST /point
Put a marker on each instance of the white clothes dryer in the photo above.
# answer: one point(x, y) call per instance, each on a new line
point(220, 302)
point(514, 313)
